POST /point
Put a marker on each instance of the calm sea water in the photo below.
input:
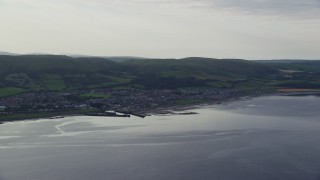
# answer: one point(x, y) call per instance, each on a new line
point(273, 137)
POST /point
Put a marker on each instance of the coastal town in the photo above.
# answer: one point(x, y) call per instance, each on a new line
point(128, 101)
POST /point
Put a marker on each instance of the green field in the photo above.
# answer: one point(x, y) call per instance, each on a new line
point(55, 84)
point(96, 95)
point(8, 91)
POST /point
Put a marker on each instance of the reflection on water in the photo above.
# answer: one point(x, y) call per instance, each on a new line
point(273, 137)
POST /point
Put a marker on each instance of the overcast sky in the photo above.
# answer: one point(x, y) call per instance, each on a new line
point(251, 29)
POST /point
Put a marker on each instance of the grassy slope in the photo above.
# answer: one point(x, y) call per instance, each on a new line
point(298, 65)
point(303, 74)
point(199, 67)
point(55, 73)
point(215, 73)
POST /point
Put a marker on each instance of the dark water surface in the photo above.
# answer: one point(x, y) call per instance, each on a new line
point(273, 137)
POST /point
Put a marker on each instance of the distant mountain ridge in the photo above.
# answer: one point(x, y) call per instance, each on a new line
point(7, 53)
point(114, 58)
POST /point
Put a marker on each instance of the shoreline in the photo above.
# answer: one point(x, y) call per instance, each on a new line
point(174, 110)
point(166, 110)
point(37, 116)
point(171, 110)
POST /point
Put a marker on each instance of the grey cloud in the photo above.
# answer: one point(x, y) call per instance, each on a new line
point(282, 6)
point(303, 8)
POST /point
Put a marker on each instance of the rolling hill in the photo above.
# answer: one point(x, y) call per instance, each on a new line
point(49, 72)
point(56, 73)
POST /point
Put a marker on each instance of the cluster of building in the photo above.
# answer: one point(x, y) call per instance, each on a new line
point(34, 102)
point(125, 100)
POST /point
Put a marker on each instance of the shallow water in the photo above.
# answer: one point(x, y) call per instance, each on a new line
point(272, 137)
